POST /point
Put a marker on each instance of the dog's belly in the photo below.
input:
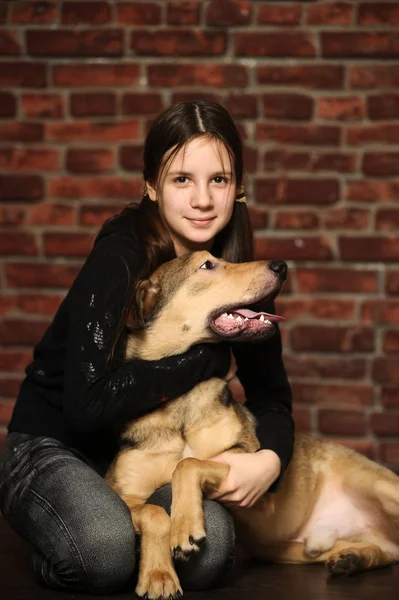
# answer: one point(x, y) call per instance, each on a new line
point(336, 512)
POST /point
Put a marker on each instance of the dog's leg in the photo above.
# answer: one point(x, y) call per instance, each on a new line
point(191, 478)
point(157, 576)
point(344, 558)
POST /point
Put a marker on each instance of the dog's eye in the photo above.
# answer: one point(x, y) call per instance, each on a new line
point(207, 265)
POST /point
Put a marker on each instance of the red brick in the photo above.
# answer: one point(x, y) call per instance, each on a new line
point(295, 219)
point(4, 9)
point(378, 311)
point(356, 44)
point(6, 409)
point(391, 341)
point(385, 370)
point(9, 43)
point(21, 332)
point(369, 248)
point(8, 104)
point(333, 13)
point(93, 104)
point(36, 304)
point(320, 338)
point(15, 131)
point(306, 248)
point(40, 275)
point(95, 214)
point(389, 453)
point(372, 134)
point(322, 393)
point(14, 361)
point(306, 76)
point(387, 219)
point(297, 191)
point(373, 76)
point(287, 106)
point(390, 396)
point(21, 188)
point(259, 218)
point(336, 279)
point(67, 244)
point(392, 282)
point(379, 13)
point(11, 216)
point(33, 13)
point(290, 43)
point(228, 12)
point(78, 13)
point(381, 164)
point(43, 106)
point(321, 367)
point(92, 132)
point(250, 159)
point(51, 214)
point(138, 13)
point(29, 159)
point(313, 135)
point(9, 388)
point(347, 218)
point(183, 13)
point(141, 104)
point(64, 43)
point(342, 109)
point(372, 191)
point(90, 160)
point(308, 161)
point(212, 75)
point(17, 243)
point(178, 43)
point(193, 96)
point(383, 106)
point(131, 158)
point(288, 14)
point(96, 75)
point(322, 308)
point(110, 187)
point(346, 422)
point(242, 106)
point(7, 304)
point(303, 419)
point(23, 74)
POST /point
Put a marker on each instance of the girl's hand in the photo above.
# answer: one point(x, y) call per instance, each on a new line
point(250, 476)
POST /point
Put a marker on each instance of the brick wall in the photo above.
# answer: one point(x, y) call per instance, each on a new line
point(313, 87)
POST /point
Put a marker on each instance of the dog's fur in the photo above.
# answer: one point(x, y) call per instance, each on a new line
point(333, 505)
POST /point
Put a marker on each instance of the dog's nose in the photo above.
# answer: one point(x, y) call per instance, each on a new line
point(279, 267)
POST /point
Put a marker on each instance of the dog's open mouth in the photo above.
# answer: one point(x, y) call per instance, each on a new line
point(245, 321)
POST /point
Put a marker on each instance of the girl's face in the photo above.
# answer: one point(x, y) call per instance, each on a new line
point(196, 195)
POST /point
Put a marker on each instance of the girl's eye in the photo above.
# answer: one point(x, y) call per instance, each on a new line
point(181, 179)
point(207, 265)
point(220, 179)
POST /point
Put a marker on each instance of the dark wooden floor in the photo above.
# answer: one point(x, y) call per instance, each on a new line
point(251, 581)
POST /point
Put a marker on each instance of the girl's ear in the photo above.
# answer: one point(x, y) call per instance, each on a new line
point(147, 294)
point(151, 191)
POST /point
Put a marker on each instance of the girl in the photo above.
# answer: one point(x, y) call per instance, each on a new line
point(78, 387)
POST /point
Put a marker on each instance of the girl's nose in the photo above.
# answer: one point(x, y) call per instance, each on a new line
point(202, 198)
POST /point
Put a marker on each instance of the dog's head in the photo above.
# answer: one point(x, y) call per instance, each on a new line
point(199, 298)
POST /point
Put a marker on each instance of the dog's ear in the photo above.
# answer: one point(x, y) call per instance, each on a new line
point(146, 296)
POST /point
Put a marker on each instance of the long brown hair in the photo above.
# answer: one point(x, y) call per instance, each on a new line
point(170, 131)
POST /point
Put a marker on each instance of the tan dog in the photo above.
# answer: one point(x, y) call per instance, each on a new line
point(333, 505)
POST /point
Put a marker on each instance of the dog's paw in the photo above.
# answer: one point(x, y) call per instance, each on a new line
point(342, 564)
point(159, 584)
point(319, 542)
point(186, 537)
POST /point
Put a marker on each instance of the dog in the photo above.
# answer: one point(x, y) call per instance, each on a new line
point(333, 505)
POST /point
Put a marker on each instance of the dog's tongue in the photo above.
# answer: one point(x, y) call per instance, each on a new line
point(250, 314)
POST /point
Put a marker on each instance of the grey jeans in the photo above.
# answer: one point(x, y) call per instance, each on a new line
point(81, 531)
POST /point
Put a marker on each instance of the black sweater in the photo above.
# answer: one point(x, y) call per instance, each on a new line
point(74, 394)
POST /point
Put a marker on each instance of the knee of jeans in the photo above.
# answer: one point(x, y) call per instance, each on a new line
point(103, 564)
point(213, 564)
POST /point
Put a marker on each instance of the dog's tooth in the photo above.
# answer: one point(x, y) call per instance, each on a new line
point(239, 319)
point(268, 322)
point(261, 318)
point(224, 315)
point(246, 319)
point(230, 316)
